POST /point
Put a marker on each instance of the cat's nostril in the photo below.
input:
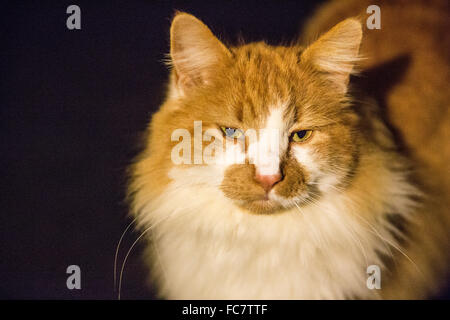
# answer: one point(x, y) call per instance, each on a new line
point(268, 181)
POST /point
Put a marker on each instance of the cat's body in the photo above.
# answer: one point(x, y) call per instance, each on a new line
point(409, 71)
point(340, 200)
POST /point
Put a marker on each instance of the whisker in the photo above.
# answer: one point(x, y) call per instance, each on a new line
point(160, 262)
point(403, 253)
point(307, 221)
point(356, 239)
point(315, 234)
point(117, 252)
point(374, 231)
point(126, 257)
point(393, 245)
point(134, 244)
point(354, 236)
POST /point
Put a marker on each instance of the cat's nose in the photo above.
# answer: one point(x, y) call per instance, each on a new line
point(267, 181)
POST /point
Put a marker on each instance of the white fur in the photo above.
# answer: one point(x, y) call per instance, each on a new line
point(304, 155)
point(208, 248)
point(326, 181)
point(273, 141)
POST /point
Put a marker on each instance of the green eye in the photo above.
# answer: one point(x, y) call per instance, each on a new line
point(301, 135)
point(232, 132)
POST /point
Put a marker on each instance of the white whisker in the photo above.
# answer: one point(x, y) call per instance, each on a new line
point(133, 245)
point(117, 252)
point(393, 245)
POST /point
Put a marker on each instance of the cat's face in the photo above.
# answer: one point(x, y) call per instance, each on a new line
point(279, 115)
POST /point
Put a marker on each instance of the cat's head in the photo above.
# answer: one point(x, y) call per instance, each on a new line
point(281, 115)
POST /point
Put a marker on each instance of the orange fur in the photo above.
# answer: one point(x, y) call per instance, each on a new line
point(350, 157)
point(414, 44)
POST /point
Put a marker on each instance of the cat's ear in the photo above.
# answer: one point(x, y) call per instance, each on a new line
point(336, 52)
point(195, 52)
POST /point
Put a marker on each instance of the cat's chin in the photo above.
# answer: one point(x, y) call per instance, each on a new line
point(272, 204)
point(263, 206)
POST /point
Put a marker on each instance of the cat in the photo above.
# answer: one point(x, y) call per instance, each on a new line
point(301, 220)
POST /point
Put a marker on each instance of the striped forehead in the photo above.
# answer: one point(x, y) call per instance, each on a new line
point(277, 115)
point(262, 81)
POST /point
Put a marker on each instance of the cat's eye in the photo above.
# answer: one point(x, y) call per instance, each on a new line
point(300, 136)
point(232, 132)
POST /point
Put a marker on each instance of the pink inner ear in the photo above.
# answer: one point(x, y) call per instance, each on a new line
point(336, 52)
point(195, 51)
point(184, 81)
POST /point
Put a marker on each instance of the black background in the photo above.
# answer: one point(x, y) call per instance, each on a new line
point(73, 104)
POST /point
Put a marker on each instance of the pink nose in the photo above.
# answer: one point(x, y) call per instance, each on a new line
point(268, 181)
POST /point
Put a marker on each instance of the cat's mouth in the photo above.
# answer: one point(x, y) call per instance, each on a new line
point(267, 194)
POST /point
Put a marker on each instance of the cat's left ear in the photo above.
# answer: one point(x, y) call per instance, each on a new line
point(195, 52)
point(336, 52)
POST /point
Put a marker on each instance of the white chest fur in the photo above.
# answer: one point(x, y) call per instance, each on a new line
point(207, 248)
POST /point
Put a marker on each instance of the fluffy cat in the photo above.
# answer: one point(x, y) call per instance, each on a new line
point(301, 221)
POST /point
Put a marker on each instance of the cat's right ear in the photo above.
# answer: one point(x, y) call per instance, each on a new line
point(194, 51)
point(336, 52)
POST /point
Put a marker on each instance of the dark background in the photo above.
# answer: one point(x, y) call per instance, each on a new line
point(73, 104)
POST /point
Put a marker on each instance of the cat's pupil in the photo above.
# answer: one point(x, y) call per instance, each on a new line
point(301, 133)
point(230, 131)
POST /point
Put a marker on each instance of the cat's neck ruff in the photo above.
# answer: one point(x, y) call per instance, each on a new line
point(211, 249)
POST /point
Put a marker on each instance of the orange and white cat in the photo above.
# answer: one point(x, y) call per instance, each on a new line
point(301, 221)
